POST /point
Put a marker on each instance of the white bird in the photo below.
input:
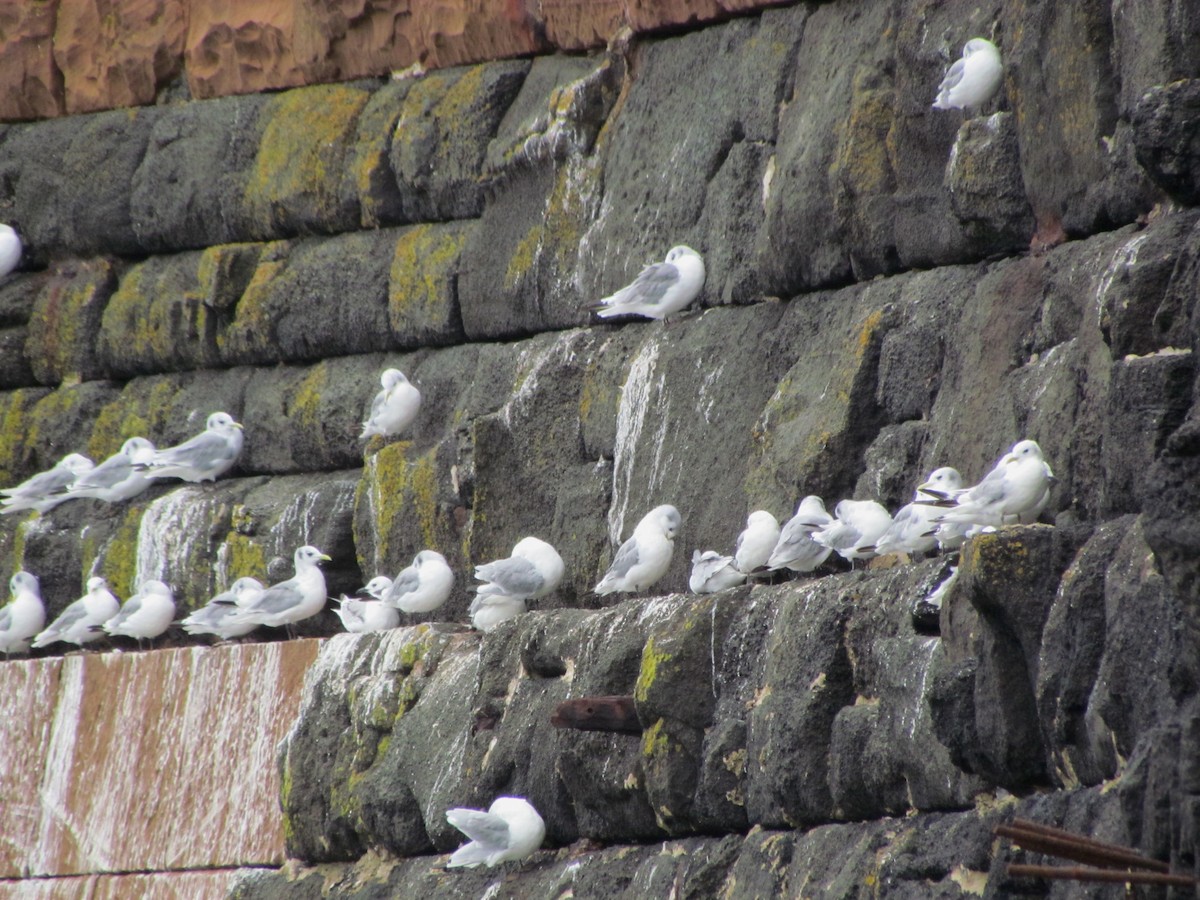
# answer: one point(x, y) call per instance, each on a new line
point(857, 525)
point(43, 491)
point(24, 616)
point(645, 557)
point(913, 528)
point(80, 622)
point(1016, 490)
point(10, 249)
point(202, 458)
point(712, 572)
point(394, 408)
point(360, 616)
point(973, 80)
point(291, 601)
point(146, 614)
point(757, 540)
point(510, 830)
point(423, 586)
point(532, 571)
point(660, 289)
point(214, 617)
point(796, 550)
point(118, 477)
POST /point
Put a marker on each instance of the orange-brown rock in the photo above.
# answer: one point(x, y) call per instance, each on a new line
point(32, 85)
point(118, 52)
point(144, 886)
point(253, 45)
point(130, 761)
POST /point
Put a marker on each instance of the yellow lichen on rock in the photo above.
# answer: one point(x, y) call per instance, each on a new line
point(300, 156)
point(421, 291)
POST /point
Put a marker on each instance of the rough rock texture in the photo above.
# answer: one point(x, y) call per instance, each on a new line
point(871, 312)
point(76, 771)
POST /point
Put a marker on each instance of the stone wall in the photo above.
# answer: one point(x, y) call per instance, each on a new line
point(890, 288)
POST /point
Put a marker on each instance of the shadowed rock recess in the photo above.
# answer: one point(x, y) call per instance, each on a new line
point(873, 310)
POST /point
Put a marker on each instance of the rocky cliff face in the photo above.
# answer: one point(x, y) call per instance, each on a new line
point(872, 310)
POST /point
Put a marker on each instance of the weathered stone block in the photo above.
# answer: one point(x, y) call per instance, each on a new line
point(423, 306)
point(295, 185)
point(65, 318)
point(1149, 398)
point(118, 52)
point(15, 369)
point(440, 140)
point(189, 190)
point(983, 176)
point(313, 299)
point(167, 313)
point(1165, 139)
point(1064, 102)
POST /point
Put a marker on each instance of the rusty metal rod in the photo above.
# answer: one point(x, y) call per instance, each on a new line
point(1064, 873)
point(1079, 849)
point(1055, 841)
point(1051, 831)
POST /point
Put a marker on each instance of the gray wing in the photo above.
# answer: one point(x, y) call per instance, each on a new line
point(74, 613)
point(514, 575)
point(199, 453)
point(132, 605)
point(953, 76)
point(406, 582)
point(278, 598)
point(377, 405)
point(988, 491)
point(43, 484)
point(5, 618)
point(626, 558)
point(108, 474)
point(651, 284)
point(481, 827)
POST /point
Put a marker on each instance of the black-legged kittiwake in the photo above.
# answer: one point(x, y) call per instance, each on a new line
point(10, 249)
point(913, 529)
point(533, 570)
point(973, 80)
point(510, 830)
point(291, 601)
point(423, 586)
point(796, 550)
point(117, 478)
point(1015, 491)
point(394, 408)
point(205, 457)
point(146, 614)
point(44, 491)
point(757, 540)
point(24, 615)
point(645, 557)
point(80, 622)
point(857, 525)
point(660, 289)
point(214, 618)
point(712, 572)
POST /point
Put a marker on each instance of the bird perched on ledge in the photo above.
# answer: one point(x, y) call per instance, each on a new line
point(205, 457)
point(511, 829)
point(394, 407)
point(645, 557)
point(973, 80)
point(660, 289)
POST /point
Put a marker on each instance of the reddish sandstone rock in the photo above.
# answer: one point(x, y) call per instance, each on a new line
point(118, 52)
point(33, 87)
point(106, 749)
